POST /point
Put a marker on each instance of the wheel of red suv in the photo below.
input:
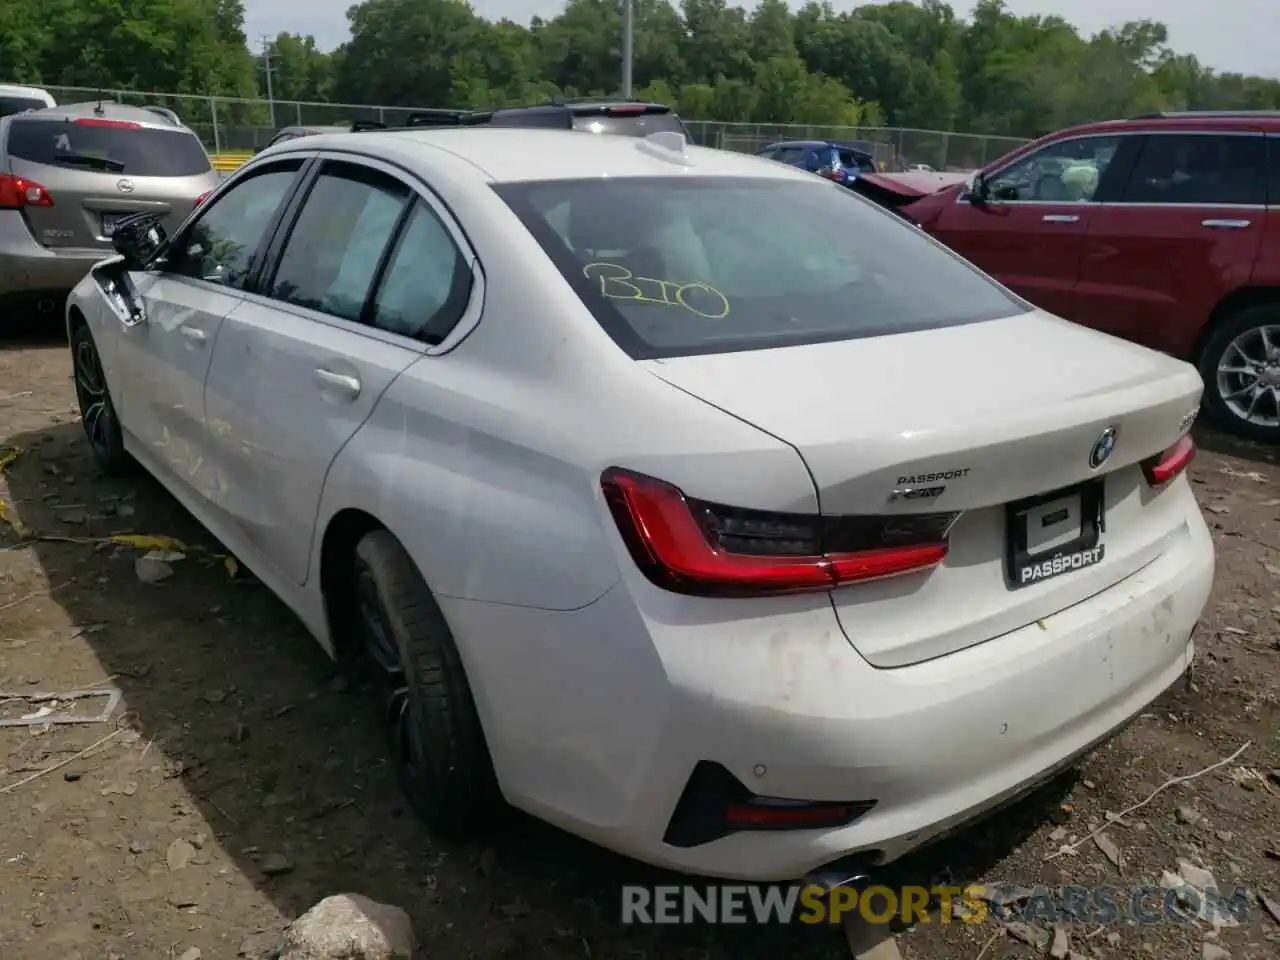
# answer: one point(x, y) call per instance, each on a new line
point(1240, 366)
point(424, 699)
point(97, 412)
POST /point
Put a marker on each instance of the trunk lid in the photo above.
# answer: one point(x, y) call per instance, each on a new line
point(977, 416)
point(98, 171)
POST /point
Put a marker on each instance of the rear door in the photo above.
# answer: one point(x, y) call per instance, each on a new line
point(99, 169)
point(1030, 233)
point(1186, 231)
point(369, 274)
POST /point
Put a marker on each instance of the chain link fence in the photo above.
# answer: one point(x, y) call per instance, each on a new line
point(233, 125)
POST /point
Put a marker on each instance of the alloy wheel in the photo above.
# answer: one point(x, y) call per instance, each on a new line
point(96, 412)
point(1248, 376)
point(400, 714)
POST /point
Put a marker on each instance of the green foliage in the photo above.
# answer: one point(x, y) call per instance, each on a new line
point(909, 64)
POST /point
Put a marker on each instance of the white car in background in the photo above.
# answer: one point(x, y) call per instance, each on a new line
point(685, 500)
point(16, 99)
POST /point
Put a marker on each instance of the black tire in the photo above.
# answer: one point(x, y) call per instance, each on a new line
point(1216, 407)
point(97, 412)
point(437, 744)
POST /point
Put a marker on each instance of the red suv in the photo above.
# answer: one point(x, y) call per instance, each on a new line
point(1164, 229)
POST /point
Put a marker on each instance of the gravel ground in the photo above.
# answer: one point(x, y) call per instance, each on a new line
point(246, 780)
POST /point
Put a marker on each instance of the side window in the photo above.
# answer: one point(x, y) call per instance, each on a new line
point(427, 282)
point(1200, 168)
point(220, 246)
point(768, 154)
point(792, 155)
point(331, 257)
point(1062, 172)
point(1273, 156)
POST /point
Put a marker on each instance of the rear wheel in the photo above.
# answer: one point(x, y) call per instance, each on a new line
point(433, 730)
point(1240, 366)
point(97, 412)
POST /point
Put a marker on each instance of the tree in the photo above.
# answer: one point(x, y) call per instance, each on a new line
point(910, 64)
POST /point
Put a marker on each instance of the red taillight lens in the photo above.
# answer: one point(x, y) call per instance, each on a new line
point(103, 122)
point(18, 192)
point(204, 196)
point(694, 547)
point(620, 111)
point(1160, 470)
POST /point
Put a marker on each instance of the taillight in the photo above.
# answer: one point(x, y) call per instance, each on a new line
point(706, 549)
point(619, 111)
point(201, 199)
point(19, 192)
point(103, 122)
point(1161, 469)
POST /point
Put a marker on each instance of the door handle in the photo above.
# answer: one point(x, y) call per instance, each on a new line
point(1060, 218)
point(342, 382)
point(194, 334)
point(1225, 224)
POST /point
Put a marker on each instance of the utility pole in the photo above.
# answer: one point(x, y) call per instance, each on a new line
point(628, 45)
point(266, 66)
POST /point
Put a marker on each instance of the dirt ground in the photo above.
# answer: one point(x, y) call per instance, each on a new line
point(243, 780)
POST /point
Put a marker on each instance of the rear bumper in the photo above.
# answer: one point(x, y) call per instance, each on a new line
point(28, 269)
point(596, 718)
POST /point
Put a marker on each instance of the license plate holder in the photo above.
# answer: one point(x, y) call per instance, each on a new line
point(110, 221)
point(1054, 533)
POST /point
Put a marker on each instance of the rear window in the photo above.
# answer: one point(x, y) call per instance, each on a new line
point(629, 124)
point(12, 105)
point(107, 146)
point(677, 266)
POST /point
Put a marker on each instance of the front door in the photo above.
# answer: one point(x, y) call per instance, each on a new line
point(1186, 232)
point(298, 370)
point(186, 302)
point(1030, 232)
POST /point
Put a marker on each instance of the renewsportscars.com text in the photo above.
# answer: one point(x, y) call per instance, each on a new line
point(749, 904)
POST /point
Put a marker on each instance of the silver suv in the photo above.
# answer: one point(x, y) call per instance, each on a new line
point(68, 174)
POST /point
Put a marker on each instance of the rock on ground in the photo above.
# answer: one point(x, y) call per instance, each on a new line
point(350, 927)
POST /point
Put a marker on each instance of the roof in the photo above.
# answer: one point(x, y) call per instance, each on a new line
point(106, 109)
point(511, 154)
point(1204, 121)
point(858, 146)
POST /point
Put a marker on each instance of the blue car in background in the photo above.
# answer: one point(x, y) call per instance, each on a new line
point(841, 162)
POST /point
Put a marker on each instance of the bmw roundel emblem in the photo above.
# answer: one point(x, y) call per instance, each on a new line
point(1102, 447)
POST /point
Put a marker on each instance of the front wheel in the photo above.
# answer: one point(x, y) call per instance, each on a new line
point(437, 745)
point(1240, 366)
point(97, 412)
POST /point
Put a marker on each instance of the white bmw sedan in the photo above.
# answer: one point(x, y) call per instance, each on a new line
point(690, 502)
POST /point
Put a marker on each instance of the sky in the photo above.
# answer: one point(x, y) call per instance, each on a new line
point(1229, 35)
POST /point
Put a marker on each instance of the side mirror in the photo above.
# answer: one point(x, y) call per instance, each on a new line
point(977, 190)
point(139, 239)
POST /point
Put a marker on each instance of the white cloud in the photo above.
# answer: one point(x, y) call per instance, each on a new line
point(1235, 35)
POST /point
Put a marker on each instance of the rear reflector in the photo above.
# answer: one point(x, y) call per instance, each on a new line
point(706, 549)
point(204, 196)
point(1160, 470)
point(102, 122)
point(715, 804)
point(17, 193)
